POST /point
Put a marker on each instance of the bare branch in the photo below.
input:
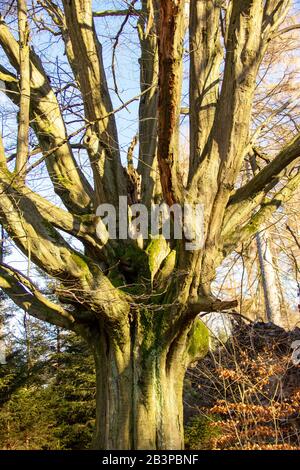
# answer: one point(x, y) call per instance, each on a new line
point(101, 138)
point(81, 227)
point(116, 42)
point(34, 236)
point(274, 13)
point(243, 232)
point(211, 305)
point(293, 235)
point(249, 196)
point(236, 314)
point(82, 280)
point(288, 29)
point(46, 120)
point(28, 297)
point(128, 12)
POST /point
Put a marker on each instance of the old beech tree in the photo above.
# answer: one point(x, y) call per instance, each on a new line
point(137, 306)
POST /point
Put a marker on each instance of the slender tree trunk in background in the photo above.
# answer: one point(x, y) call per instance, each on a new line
point(23, 129)
point(27, 333)
point(253, 305)
point(58, 341)
point(2, 343)
point(280, 287)
point(269, 279)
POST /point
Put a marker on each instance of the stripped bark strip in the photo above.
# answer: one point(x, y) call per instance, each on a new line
point(171, 35)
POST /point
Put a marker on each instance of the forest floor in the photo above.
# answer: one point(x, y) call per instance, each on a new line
point(246, 394)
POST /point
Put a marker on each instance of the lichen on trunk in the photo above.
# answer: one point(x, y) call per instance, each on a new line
point(139, 386)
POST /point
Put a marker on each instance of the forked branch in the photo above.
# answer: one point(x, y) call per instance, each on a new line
point(27, 296)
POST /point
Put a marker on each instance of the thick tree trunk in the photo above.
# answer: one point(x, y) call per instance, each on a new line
point(138, 399)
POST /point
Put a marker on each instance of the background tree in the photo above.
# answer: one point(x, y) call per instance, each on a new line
point(52, 404)
point(136, 304)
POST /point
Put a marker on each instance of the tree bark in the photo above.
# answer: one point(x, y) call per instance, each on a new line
point(138, 397)
point(170, 51)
